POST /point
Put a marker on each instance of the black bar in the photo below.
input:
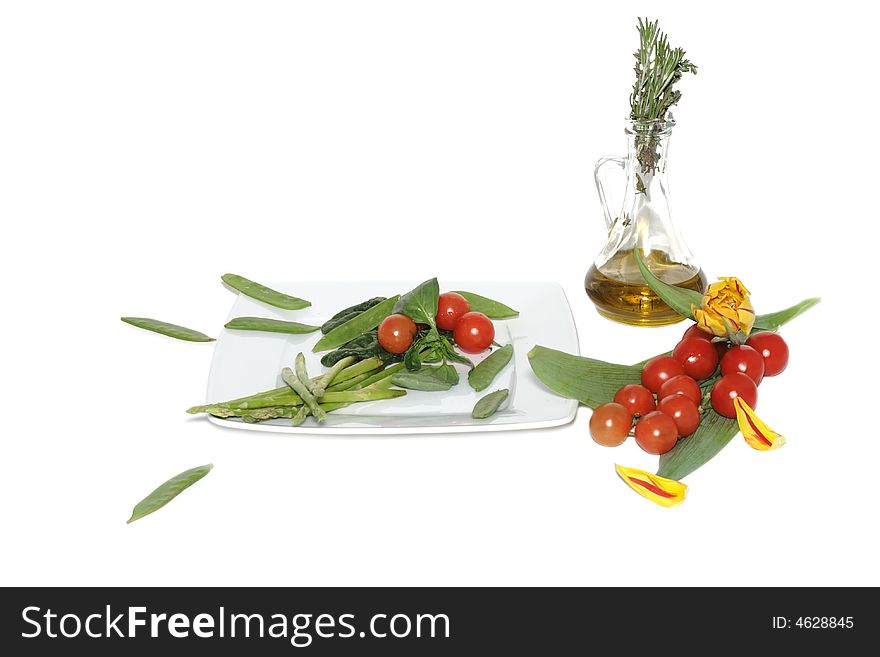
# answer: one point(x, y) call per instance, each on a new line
point(519, 620)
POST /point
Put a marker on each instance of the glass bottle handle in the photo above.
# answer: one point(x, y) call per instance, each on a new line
point(599, 175)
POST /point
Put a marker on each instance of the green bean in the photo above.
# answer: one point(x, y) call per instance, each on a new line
point(300, 388)
point(487, 405)
point(171, 330)
point(483, 374)
point(263, 293)
point(366, 321)
point(270, 325)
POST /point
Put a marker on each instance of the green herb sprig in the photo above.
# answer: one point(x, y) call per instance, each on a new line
point(658, 68)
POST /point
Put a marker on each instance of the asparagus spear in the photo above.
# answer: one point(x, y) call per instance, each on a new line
point(351, 383)
point(325, 381)
point(300, 416)
point(299, 366)
point(300, 388)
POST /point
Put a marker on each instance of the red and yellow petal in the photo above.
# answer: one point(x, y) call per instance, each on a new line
point(757, 434)
point(660, 490)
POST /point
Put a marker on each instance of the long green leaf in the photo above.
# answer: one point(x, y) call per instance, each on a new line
point(697, 449)
point(171, 330)
point(590, 381)
point(772, 321)
point(270, 325)
point(262, 293)
point(677, 298)
point(168, 491)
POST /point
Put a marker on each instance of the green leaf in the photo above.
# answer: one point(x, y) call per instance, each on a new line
point(168, 491)
point(590, 381)
point(488, 405)
point(429, 378)
point(772, 321)
point(420, 304)
point(483, 374)
point(489, 307)
point(697, 449)
point(171, 330)
point(270, 325)
point(363, 346)
point(262, 293)
point(677, 298)
point(366, 321)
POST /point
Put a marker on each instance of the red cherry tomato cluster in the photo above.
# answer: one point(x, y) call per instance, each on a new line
point(675, 410)
point(473, 332)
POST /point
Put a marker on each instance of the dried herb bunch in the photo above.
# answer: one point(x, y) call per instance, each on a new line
point(658, 67)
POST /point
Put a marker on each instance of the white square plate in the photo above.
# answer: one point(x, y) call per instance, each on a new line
point(246, 362)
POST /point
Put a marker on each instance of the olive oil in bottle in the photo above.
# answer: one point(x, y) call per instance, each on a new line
point(620, 293)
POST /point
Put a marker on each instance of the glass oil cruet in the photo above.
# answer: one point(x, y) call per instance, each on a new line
point(613, 282)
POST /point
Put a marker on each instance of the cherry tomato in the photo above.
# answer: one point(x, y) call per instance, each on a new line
point(657, 370)
point(774, 350)
point(683, 412)
point(610, 424)
point(450, 307)
point(474, 332)
point(656, 433)
point(743, 358)
point(396, 333)
point(683, 385)
point(637, 399)
point(698, 357)
point(728, 388)
point(696, 332)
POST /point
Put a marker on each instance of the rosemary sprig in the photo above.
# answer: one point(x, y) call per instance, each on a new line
point(658, 68)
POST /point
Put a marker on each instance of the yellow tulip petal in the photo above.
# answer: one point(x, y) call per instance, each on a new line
point(660, 490)
point(757, 434)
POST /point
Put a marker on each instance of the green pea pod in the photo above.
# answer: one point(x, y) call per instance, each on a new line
point(488, 405)
point(270, 325)
point(262, 293)
point(482, 375)
point(358, 307)
point(168, 491)
point(333, 322)
point(366, 321)
point(489, 307)
point(171, 330)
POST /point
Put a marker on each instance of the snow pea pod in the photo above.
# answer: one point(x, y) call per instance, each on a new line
point(262, 293)
point(366, 321)
point(171, 330)
point(483, 374)
point(489, 307)
point(489, 404)
point(271, 325)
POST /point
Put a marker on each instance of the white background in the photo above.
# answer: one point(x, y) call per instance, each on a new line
point(147, 148)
